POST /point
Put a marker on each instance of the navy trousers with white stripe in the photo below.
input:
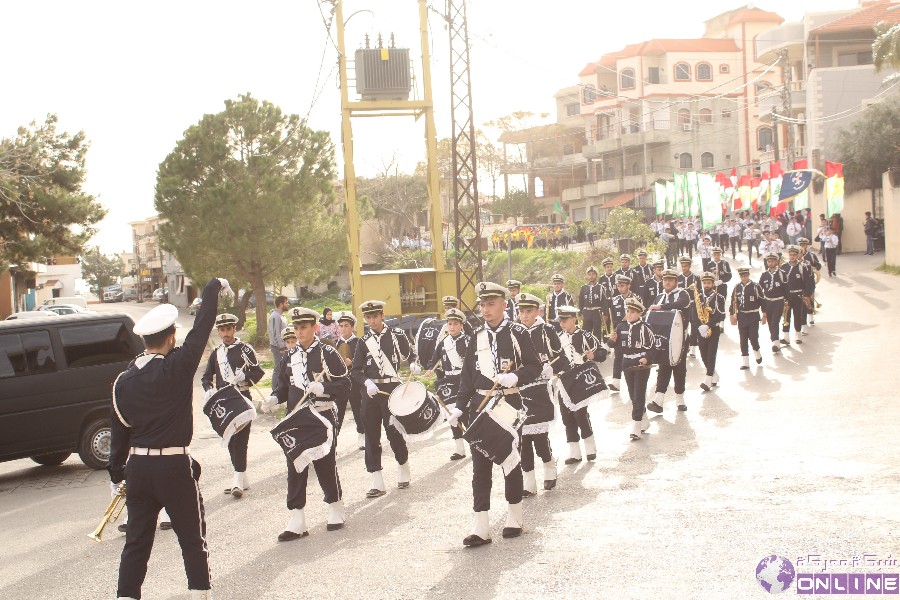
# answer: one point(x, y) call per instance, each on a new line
point(153, 483)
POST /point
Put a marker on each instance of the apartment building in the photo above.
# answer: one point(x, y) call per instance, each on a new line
point(148, 255)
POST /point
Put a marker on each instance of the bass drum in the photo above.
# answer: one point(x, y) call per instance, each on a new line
point(668, 334)
point(228, 412)
point(426, 340)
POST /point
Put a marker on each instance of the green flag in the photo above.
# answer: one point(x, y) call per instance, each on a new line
point(710, 200)
point(557, 208)
point(670, 198)
point(660, 190)
point(679, 195)
point(692, 195)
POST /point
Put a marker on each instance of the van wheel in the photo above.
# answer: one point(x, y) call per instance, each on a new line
point(52, 459)
point(94, 445)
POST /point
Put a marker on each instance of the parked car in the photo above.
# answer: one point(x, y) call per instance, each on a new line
point(270, 299)
point(161, 295)
point(56, 377)
point(130, 294)
point(63, 309)
point(195, 305)
point(31, 314)
point(79, 300)
point(113, 293)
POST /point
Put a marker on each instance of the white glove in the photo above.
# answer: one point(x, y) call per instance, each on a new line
point(703, 330)
point(415, 368)
point(719, 282)
point(226, 288)
point(114, 488)
point(547, 371)
point(209, 394)
point(268, 405)
point(453, 417)
point(239, 376)
point(507, 380)
point(371, 388)
point(316, 388)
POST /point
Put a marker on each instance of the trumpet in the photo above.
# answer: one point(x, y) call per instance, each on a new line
point(113, 511)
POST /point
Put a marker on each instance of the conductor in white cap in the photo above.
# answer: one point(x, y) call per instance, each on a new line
point(152, 426)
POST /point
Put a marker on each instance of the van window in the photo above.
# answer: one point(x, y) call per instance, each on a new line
point(38, 352)
point(97, 344)
point(12, 356)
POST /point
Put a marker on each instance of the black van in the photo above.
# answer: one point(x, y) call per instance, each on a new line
point(56, 379)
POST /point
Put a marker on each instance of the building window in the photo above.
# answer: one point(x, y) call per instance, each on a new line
point(851, 59)
point(682, 72)
point(653, 75)
point(764, 138)
point(705, 115)
point(573, 109)
point(588, 94)
point(706, 161)
point(626, 79)
point(685, 161)
point(726, 114)
point(704, 72)
point(724, 69)
point(635, 169)
point(684, 117)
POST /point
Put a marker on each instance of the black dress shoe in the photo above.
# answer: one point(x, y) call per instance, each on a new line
point(653, 406)
point(473, 540)
point(375, 493)
point(228, 490)
point(402, 485)
point(237, 492)
point(759, 360)
point(123, 528)
point(333, 526)
point(457, 456)
point(613, 387)
point(785, 342)
point(682, 407)
point(527, 494)
point(512, 532)
point(287, 536)
point(744, 368)
point(572, 461)
point(165, 525)
point(549, 484)
point(705, 387)
point(591, 456)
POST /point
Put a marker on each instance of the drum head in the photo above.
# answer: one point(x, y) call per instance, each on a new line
point(407, 398)
point(505, 413)
point(676, 339)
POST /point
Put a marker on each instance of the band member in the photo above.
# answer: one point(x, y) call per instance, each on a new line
point(704, 249)
point(625, 266)
point(608, 279)
point(536, 395)
point(151, 428)
point(746, 302)
point(375, 367)
point(289, 337)
point(815, 266)
point(641, 273)
point(347, 343)
point(721, 269)
point(501, 359)
point(233, 363)
point(513, 286)
point(556, 298)
point(316, 373)
point(453, 302)
point(578, 346)
point(774, 286)
point(593, 302)
point(623, 283)
point(685, 280)
point(713, 305)
point(634, 341)
point(831, 243)
point(449, 354)
point(653, 287)
point(672, 298)
point(799, 285)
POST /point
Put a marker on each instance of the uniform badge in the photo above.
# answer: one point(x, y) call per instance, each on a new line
point(505, 364)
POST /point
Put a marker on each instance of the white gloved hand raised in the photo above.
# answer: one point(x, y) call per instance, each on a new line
point(268, 405)
point(507, 380)
point(371, 388)
point(719, 282)
point(316, 388)
point(415, 368)
point(226, 288)
point(453, 417)
point(547, 371)
point(209, 394)
point(239, 376)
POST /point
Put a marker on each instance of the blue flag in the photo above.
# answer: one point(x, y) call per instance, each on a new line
point(793, 183)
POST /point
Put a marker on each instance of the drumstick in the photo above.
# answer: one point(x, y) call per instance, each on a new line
point(490, 393)
point(246, 364)
point(444, 406)
point(302, 403)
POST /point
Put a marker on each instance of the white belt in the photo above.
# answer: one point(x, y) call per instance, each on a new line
point(513, 390)
point(452, 372)
point(630, 356)
point(322, 405)
point(172, 451)
point(387, 380)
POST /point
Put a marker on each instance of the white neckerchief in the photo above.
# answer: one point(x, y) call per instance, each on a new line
point(300, 365)
point(568, 347)
point(385, 367)
point(225, 369)
point(452, 353)
point(492, 336)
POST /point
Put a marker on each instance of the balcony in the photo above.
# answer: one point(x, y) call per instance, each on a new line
point(787, 35)
point(573, 194)
point(636, 182)
point(603, 141)
point(610, 186)
point(598, 146)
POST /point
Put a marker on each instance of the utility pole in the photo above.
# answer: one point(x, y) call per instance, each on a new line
point(786, 105)
point(775, 135)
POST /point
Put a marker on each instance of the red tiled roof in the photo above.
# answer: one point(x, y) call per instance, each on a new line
point(623, 198)
point(661, 46)
point(865, 18)
point(754, 15)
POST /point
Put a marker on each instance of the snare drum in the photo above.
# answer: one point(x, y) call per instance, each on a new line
point(581, 386)
point(495, 434)
point(228, 411)
point(304, 436)
point(539, 411)
point(415, 412)
point(668, 334)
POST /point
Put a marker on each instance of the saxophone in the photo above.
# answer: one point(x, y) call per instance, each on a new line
point(703, 311)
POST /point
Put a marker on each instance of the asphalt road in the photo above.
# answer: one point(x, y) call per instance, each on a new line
point(795, 457)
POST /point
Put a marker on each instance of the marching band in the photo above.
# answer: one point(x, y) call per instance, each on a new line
point(498, 386)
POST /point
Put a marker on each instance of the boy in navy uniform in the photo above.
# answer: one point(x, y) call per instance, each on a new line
point(746, 302)
point(708, 334)
point(619, 304)
point(798, 286)
point(233, 363)
point(672, 298)
point(512, 286)
point(556, 298)
point(815, 266)
point(721, 269)
point(634, 341)
point(608, 279)
point(315, 370)
point(501, 359)
point(772, 281)
point(346, 325)
point(449, 354)
point(593, 302)
point(685, 280)
point(578, 346)
point(151, 429)
point(375, 367)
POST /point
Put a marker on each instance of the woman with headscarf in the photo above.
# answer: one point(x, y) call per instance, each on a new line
point(328, 327)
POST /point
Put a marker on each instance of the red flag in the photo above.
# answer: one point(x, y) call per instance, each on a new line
point(734, 177)
point(754, 193)
point(833, 169)
point(775, 170)
point(801, 164)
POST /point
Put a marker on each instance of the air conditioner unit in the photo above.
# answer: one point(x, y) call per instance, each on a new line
point(687, 127)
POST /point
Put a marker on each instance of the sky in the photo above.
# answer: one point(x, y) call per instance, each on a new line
point(135, 75)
